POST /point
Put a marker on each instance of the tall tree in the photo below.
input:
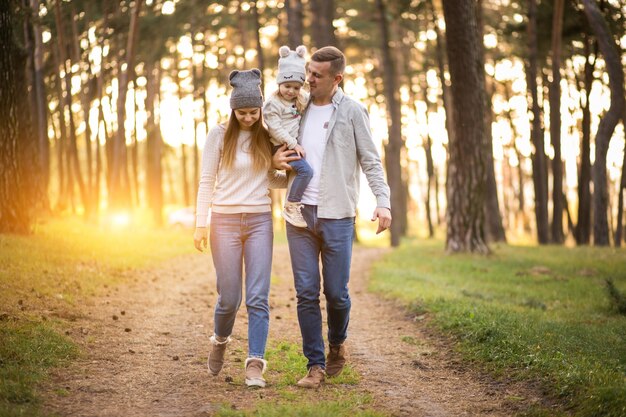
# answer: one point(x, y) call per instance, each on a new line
point(323, 14)
point(607, 125)
point(40, 112)
point(295, 30)
point(466, 167)
point(393, 148)
point(15, 209)
point(493, 218)
point(555, 124)
point(119, 190)
point(540, 175)
point(583, 226)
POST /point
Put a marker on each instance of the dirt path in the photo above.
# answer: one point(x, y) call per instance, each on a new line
point(146, 343)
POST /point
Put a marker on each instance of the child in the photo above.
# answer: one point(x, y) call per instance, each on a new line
point(282, 113)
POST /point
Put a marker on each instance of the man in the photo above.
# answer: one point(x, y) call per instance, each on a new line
point(336, 137)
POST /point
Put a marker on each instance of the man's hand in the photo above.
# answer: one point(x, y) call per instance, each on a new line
point(200, 238)
point(383, 215)
point(283, 156)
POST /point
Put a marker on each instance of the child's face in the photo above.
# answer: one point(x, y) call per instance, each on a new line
point(247, 117)
point(289, 90)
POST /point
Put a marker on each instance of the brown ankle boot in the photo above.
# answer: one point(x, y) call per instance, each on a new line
point(255, 367)
point(336, 359)
point(313, 379)
point(216, 356)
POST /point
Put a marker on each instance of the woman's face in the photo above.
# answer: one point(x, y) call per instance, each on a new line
point(247, 117)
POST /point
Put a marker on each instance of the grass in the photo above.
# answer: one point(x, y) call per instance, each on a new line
point(286, 366)
point(533, 312)
point(44, 276)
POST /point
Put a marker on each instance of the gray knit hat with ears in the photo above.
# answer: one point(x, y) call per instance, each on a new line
point(246, 89)
point(291, 65)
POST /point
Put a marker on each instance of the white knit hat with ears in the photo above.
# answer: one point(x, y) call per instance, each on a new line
point(291, 65)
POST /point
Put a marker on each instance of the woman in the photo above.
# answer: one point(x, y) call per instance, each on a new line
point(235, 183)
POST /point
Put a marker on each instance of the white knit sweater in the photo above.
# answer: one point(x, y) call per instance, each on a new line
point(238, 189)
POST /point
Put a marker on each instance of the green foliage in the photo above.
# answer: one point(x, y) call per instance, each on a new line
point(27, 350)
point(288, 365)
point(348, 407)
point(64, 261)
point(538, 313)
point(616, 298)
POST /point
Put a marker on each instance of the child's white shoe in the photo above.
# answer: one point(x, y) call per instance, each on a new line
point(293, 214)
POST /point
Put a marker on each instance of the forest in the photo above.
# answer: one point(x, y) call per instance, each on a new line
point(494, 118)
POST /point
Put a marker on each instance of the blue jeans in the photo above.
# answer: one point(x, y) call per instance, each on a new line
point(330, 239)
point(236, 239)
point(304, 173)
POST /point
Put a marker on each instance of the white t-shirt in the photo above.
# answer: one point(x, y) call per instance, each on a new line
point(314, 143)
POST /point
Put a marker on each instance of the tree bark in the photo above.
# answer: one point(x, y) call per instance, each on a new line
point(295, 30)
point(259, 48)
point(119, 190)
point(583, 225)
point(493, 219)
point(15, 209)
point(323, 12)
point(393, 148)
point(40, 113)
point(607, 125)
point(154, 174)
point(466, 167)
point(555, 124)
point(445, 88)
point(540, 176)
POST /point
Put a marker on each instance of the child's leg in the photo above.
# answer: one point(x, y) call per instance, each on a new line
point(304, 173)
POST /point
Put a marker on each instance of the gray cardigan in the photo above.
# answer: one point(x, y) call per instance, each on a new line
point(349, 145)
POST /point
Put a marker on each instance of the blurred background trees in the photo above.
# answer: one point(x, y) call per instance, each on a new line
point(105, 106)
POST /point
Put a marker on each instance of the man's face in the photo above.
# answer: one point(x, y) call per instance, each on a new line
point(322, 81)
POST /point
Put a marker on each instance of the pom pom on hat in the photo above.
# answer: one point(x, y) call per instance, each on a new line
point(246, 89)
point(291, 65)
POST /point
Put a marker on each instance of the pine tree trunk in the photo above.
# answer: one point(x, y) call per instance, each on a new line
point(14, 206)
point(323, 14)
point(466, 167)
point(430, 170)
point(295, 30)
point(540, 176)
point(154, 169)
point(607, 125)
point(120, 192)
point(583, 225)
point(445, 89)
point(555, 125)
point(493, 219)
point(259, 48)
point(393, 148)
point(41, 171)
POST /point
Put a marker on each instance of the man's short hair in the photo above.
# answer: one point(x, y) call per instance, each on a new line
point(333, 55)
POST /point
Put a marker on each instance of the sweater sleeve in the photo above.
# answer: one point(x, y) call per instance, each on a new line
point(211, 157)
point(271, 115)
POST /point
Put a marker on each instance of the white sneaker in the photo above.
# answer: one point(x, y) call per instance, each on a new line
point(255, 367)
point(293, 214)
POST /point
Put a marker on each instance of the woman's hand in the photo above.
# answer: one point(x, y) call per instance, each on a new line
point(283, 156)
point(200, 238)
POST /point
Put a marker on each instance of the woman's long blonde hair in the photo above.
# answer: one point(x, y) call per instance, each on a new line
point(260, 145)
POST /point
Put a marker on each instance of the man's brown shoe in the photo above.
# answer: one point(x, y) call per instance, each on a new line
point(314, 378)
point(216, 356)
point(336, 359)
